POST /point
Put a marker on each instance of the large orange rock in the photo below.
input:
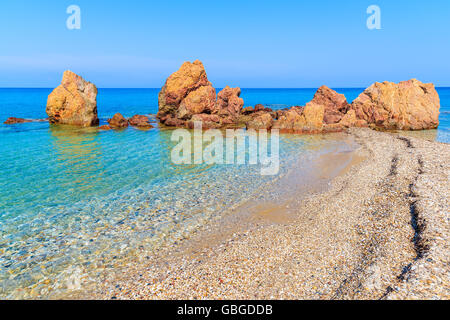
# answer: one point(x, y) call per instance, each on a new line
point(301, 119)
point(139, 120)
point(179, 85)
point(261, 121)
point(335, 104)
point(208, 121)
point(247, 110)
point(118, 121)
point(73, 102)
point(408, 105)
point(229, 104)
point(172, 121)
point(198, 101)
point(350, 120)
point(187, 93)
point(313, 114)
point(287, 118)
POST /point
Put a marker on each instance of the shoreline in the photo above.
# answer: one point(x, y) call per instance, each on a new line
point(378, 232)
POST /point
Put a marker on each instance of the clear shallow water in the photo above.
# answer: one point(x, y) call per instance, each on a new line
point(78, 202)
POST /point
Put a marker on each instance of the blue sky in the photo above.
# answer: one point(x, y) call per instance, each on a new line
point(242, 43)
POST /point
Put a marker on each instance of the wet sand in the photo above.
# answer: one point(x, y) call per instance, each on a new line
point(374, 227)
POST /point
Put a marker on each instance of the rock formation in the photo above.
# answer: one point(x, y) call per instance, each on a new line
point(229, 104)
point(185, 93)
point(247, 110)
point(209, 121)
point(139, 120)
point(335, 104)
point(261, 121)
point(301, 119)
point(118, 121)
point(14, 120)
point(408, 105)
point(73, 102)
point(259, 107)
point(188, 96)
point(198, 101)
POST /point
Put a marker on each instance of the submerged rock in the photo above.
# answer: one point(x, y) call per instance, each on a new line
point(408, 105)
point(118, 121)
point(104, 127)
point(73, 102)
point(14, 120)
point(139, 120)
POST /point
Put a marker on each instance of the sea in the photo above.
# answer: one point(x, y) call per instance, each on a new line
point(76, 203)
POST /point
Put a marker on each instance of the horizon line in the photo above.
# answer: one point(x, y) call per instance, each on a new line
point(443, 87)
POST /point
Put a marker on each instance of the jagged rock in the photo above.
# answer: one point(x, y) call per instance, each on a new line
point(259, 107)
point(314, 115)
point(335, 104)
point(247, 110)
point(350, 120)
point(139, 120)
point(187, 92)
point(118, 121)
point(301, 119)
point(280, 113)
point(171, 121)
point(206, 117)
point(190, 77)
point(198, 101)
point(262, 121)
point(104, 127)
point(208, 121)
point(408, 105)
point(73, 102)
point(228, 102)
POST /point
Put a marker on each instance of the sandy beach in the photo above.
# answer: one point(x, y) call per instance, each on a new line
point(164, 151)
point(379, 230)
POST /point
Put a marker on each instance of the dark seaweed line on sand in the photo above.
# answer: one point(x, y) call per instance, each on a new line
point(354, 280)
point(417, 224)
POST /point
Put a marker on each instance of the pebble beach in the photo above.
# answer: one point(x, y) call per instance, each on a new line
point(378, 230)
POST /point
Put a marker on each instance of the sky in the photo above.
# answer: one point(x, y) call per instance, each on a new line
point(245, 43)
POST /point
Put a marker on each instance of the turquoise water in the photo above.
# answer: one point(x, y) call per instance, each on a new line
point(78, 202)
